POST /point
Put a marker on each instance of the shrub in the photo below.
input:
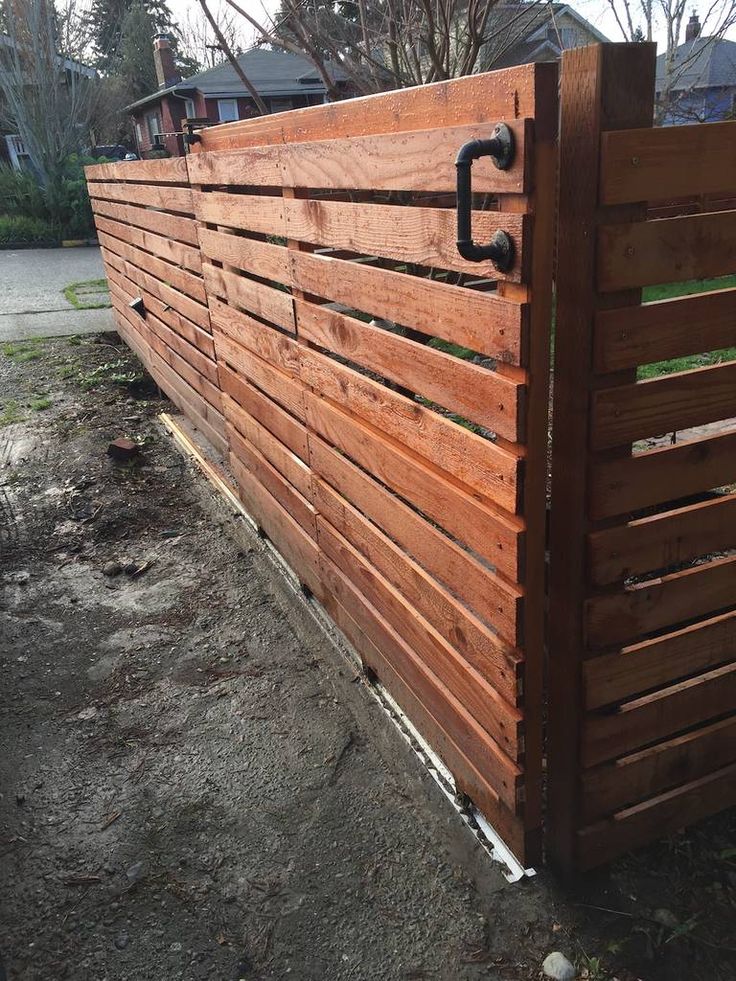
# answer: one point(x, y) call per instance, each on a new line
point(24, 230)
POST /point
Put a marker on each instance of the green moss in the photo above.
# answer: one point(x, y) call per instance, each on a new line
point(41, 403)
point(22, 351)
point(88, 294)
point(10, 413)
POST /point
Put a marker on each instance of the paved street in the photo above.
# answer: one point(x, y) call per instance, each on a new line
point(32, 303)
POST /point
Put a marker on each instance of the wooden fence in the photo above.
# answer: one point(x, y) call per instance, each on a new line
point(643, 598)
point(383, 404)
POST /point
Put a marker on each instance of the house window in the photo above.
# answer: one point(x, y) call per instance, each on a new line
point(190, 110)
point(227, 110)
point(281, 105)
point(153, 124)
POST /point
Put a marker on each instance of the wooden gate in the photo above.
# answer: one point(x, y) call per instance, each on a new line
point(643, 599)
point(386, 400)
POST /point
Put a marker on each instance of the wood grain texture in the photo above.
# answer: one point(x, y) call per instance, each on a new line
point(656, 716)
point(167, 272)
point(170, 171)
point(483, 322)
point(667, 329)
point(662, 815)
point(249, 212)
point(667, 162)
point(612, 786)
point(508, 94)
point(480, 464)
point(259, 258)
point(613, 618)
point(488, 532)
point(257, 298)
point(663, 540)
point(164, 198)
point(239, 395)
point(661, 405)
point(171, 226)
point(425, 236)
point(164, 248)
point(663, 475)
point(666, 250)
point(421, 160)
point(480, 395)
point(655, 663)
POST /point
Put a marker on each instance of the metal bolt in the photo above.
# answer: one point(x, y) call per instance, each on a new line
point(635, 161)
point(629, 250)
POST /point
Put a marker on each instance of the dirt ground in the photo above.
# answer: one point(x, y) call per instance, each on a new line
point(196, 782)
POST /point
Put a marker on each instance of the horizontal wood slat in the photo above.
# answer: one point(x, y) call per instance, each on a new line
point(662, 475)
point(249, 212)
point(660, 405)
point(477, 462)
point(482, 396)
point(380, 648)
point(179, 302)
point(257, 298)
point(489, 533)
point(291, 467)
point(655, 663)
point(663, 540)
point(484, 322)
point(611, 786)
point(239, 394)
point(675, 328)
point(150, 195)
point(259, 258)
point(654, 717)
point(425, 236)
point(666, 250)
point(167, 272)
point(171, 226)
point(425, 662)
point(164, 248)
point(667, 162)
point(421, 160)
point(442, 558)
point(617, 617)
point(659, 816)
point(508, 94)
point(170, 171)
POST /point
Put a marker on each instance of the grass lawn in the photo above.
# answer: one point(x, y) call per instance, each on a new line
point(668, 292)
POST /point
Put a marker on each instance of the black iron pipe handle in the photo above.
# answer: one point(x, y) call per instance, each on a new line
point(500, 148)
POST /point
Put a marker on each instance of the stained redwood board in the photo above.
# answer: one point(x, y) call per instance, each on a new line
point(502, 95)
point(659, 662)
point(159, 196)
point(635, 826)
point(170, 171)
point(282, 388)
point(490, 533)
point(171, 226)
point(249, 212)
point(618, 617)
point(380, 647)
point(663, 475)
point(160, 246)
point(425, 236)
point(435, 664)
point(259, 258)
point(483, 322)
point(476, 393)
point(661, 405)
point(656, 716)
point(421, 160)
point(477, 462)
point(663, 540)
point(239, 394)
point(659, 331)
point(291, 467)
point(257, 298)
point(667, 162)
point(666, 250)
point(612, 786)
point(277, 349)
point(481, 590)
point(170, 274)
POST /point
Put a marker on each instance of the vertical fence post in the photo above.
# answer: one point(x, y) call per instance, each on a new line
point(603, 87)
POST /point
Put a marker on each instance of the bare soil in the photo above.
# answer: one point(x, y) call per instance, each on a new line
point(195, 780)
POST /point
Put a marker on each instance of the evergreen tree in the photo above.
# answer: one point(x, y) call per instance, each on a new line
point(107, 19)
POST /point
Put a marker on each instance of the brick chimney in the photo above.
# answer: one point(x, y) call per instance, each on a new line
point(693, 28)
point(163, 58)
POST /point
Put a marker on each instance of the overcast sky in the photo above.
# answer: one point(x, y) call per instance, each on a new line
point(598, 12)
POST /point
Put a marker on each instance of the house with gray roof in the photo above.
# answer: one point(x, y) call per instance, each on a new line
point(699, 86)
point(283, 80)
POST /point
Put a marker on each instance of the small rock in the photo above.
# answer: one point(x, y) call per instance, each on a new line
point(112, 568)
point(175, 948)
point(666, 918)
point(556, 965)
point(123, 449)
point(122, 940)
point(135, 871)
point(88, 714)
